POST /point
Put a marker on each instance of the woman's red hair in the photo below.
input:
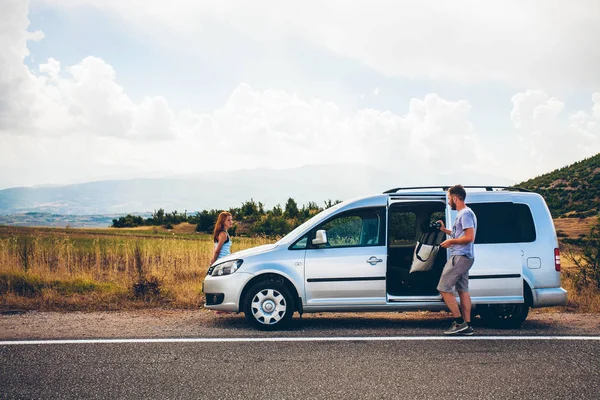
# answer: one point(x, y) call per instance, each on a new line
point(220, 225)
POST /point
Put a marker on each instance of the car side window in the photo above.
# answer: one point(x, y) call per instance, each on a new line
point(359, 228)
point(403, 227)
point(300, 244)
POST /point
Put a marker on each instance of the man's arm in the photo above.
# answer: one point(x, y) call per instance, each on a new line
point(468, 237)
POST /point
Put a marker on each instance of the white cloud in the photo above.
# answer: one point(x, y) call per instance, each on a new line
point(52, 68)
point(85, 121)
point(533, 110)
point(87, 100)
point(596, 107)
point(552, 140)
point(96, 100)
point(532, 44)
point(442, 128)
point(154, 119)
point(77, 123)
point(17, 85)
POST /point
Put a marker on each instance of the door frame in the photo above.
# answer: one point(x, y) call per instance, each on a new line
point(408, 199)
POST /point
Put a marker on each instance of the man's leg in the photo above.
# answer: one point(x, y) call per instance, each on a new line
point(447, 281)
point(465, 305)
point(459, 324)
point(450, 301)
point(462, 287)
point(449, 277)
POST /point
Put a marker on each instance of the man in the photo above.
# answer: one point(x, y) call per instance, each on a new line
point(462, 257)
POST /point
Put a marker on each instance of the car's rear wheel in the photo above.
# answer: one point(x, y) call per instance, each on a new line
point(504, 316)
point(268, 305)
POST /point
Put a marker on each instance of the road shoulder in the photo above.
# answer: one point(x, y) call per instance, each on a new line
point(167, 323)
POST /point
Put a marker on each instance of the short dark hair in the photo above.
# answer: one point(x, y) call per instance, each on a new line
point(459, 191)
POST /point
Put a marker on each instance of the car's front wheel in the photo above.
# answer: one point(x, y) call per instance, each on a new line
point(504, 315)
point(268, 305)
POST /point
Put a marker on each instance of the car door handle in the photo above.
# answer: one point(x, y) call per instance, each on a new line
point(374, 260)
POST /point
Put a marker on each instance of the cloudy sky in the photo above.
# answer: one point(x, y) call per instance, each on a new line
point(93, 89)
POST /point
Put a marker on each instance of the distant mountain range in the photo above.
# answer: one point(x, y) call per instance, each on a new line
point(62, 220)
point(222, 190)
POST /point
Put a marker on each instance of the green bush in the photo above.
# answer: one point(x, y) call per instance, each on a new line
point(252, 216)
point(21, 284)
point(271, 226)
point(27, 285)
point(77, 286)
point(147, 288)
point(561, 234)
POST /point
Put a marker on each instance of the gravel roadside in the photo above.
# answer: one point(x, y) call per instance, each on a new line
point(167, 323)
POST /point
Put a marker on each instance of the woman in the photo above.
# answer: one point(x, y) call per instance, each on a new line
point(221, 237)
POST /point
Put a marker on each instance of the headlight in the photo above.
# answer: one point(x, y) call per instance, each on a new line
point(225, 268)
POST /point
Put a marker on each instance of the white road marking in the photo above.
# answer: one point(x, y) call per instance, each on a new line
point(292, 339)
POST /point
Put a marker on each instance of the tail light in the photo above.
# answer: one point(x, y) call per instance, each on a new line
point(557, 259)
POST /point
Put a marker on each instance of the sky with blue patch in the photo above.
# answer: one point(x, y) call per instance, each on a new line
point(215, 80)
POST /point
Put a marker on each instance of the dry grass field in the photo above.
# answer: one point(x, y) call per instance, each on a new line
point(573, 228)
point(87, 269)
point(110, 269)
point(585, 299)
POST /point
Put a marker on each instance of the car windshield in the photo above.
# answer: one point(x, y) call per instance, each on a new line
point(322, 215)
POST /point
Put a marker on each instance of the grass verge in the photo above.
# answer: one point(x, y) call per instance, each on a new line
point(88, 270)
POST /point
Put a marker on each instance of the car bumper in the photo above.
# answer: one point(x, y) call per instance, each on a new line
point(547, 297)
point(230, 286)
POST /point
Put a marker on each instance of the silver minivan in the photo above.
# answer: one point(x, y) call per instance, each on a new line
point(357, 256)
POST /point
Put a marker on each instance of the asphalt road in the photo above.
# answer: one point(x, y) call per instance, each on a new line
point(403, 369)
point(325, 356)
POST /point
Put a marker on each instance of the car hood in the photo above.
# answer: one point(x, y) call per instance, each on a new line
point(247, 253)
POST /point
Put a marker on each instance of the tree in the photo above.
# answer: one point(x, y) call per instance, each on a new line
point(309, 210)
point(249, 211)
point(587, 260)
point(206, 221)
point(329, 203)
point(174, 218)
point(236, 213)
point(277, 211)
point(128, 221)
point(271, 226)
point(158, 217)
point(291, 209)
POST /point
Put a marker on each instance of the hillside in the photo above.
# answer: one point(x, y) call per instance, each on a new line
point(572, 191)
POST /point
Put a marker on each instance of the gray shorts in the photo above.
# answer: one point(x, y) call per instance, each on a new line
point(456, 273)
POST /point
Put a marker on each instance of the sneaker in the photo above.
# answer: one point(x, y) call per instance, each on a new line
point(456, 328)
point(467, 332)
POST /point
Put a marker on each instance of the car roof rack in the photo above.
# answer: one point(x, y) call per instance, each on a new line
point(445, 188)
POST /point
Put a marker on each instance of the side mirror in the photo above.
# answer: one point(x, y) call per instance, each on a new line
point(321, 237)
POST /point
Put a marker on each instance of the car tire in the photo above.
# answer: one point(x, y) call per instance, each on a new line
point(268, 305)
point(504, 316)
